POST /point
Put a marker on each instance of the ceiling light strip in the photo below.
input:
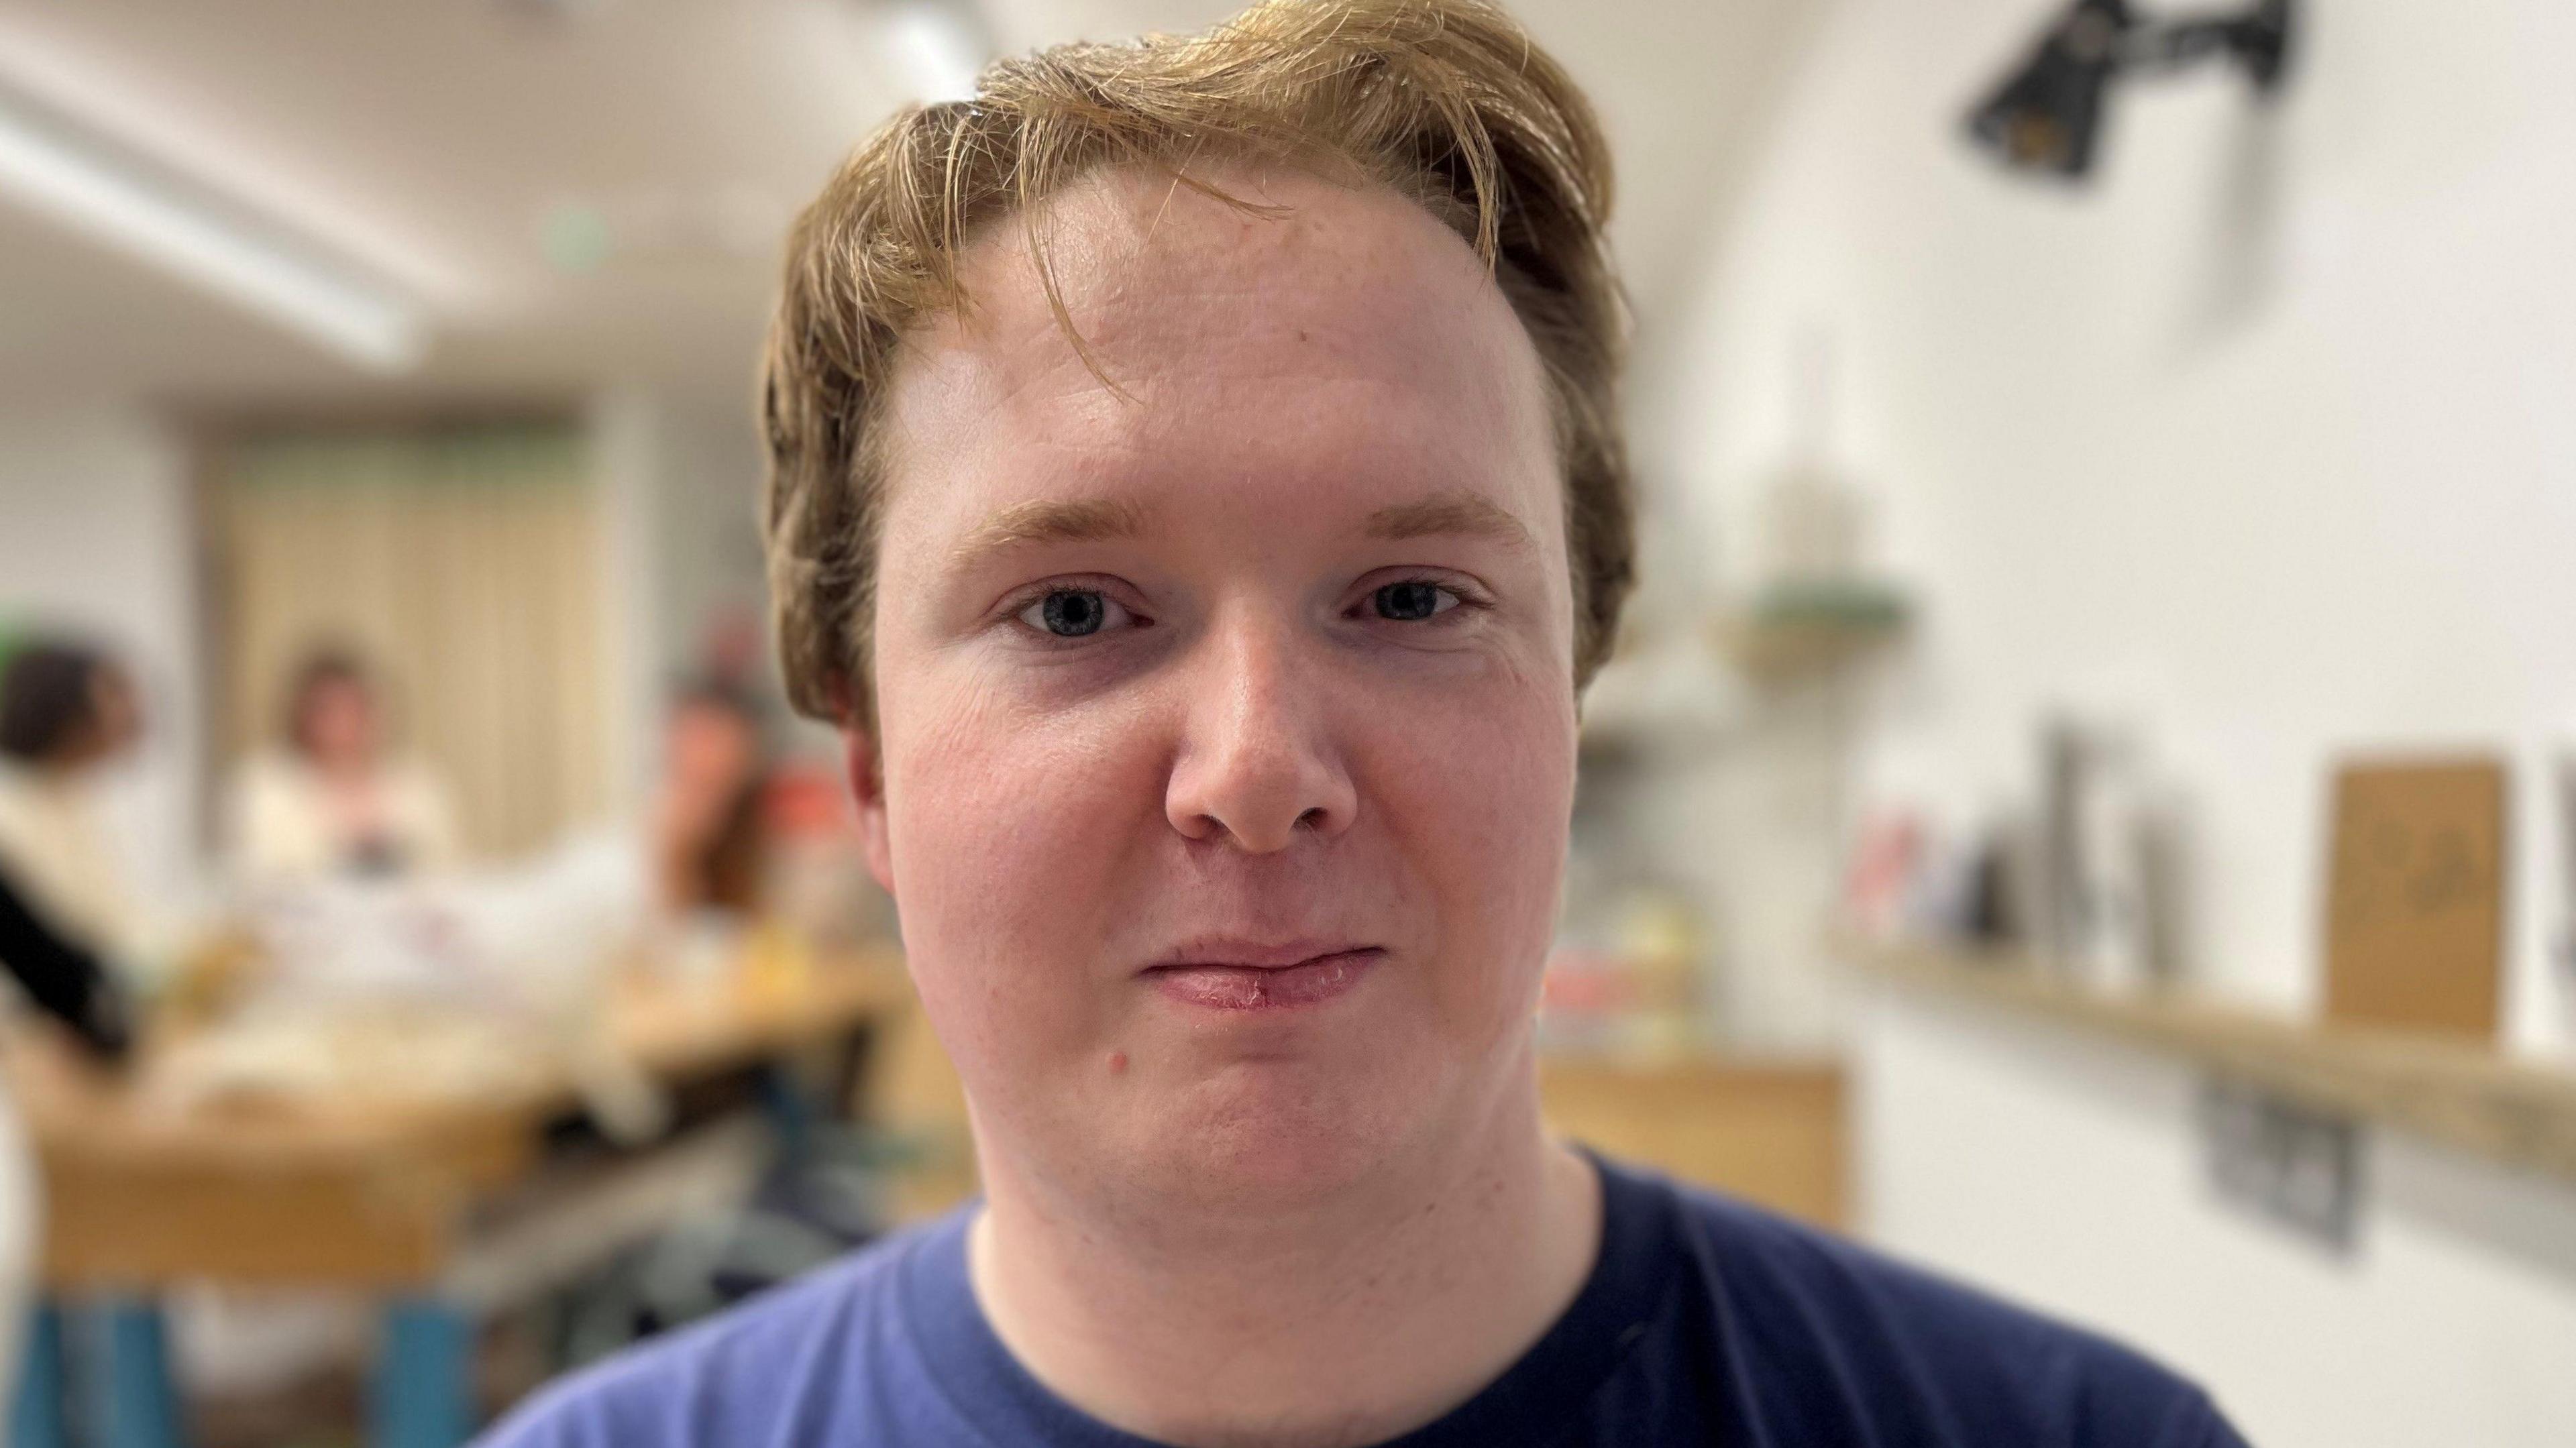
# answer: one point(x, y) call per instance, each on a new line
point(115, 202)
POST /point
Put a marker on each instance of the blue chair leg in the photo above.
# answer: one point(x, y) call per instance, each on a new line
point(424, 1376)
point(792, 1110)
point(36, 1411)
point(138, 1406)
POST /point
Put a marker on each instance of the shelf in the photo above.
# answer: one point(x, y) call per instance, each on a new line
point(2460, 1095)
point(1795, 631)
point(1771, 651)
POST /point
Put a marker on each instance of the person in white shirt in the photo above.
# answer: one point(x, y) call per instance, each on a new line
point(335, 802)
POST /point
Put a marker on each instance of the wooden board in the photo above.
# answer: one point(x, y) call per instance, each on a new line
point(131, 1225)
point(2440, 1088)
point(2415, 897)
point(1771, 1133)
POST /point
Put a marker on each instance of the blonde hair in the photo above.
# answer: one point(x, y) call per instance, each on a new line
point(1445, 101)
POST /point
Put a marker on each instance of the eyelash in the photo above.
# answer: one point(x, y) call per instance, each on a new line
point(1469, 598)
point(1031, 597)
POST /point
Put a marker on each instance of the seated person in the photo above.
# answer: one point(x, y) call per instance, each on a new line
point(333, 802)
point(66, 713)
point(1203, 566)
point(706, 826)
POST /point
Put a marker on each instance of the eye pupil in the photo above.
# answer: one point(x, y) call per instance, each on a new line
point(1409, 601)
point(1074, 614)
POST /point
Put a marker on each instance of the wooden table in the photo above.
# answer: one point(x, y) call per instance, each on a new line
point(370, 1195)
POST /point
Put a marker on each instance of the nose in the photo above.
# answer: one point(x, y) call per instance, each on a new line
point(1257, 767)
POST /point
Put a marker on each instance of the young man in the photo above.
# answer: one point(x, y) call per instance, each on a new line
point(1196, 494)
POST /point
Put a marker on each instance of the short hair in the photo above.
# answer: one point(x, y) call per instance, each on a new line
point(49, 700)
point(1447, 102)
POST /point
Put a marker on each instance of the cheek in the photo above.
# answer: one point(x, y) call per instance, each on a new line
point(1476, 795)
point(1009, 836)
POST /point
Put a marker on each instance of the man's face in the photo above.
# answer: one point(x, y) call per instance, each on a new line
point(1226, 729)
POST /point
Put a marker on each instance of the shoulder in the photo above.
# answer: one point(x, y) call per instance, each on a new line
point(18, 806)
point(27, 806)
point(270, 779)
point(1823, 1330)
point(744, 1377)
point(270, 769)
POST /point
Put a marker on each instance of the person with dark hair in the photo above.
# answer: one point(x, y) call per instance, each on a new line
point(64, 709)
point(706, 827)
point(66, 712)
point(334, 801)
point(55, 704)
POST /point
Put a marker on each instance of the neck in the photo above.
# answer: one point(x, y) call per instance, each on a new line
point(1344, 1323)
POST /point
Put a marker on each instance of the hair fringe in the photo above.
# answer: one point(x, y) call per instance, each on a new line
point(1446, 101)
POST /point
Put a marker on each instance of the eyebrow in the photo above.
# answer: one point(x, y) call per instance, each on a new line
point(1459, 513)
point(1453, 514)
point(1045, 521)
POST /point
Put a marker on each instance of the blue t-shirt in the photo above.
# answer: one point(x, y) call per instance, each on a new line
point(1705, 1321)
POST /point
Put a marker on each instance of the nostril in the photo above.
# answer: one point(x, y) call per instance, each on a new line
point(1312, 819)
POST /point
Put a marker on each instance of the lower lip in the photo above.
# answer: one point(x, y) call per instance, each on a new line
point(1252, 988)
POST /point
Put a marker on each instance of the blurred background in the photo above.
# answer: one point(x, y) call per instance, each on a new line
point(2086, 799)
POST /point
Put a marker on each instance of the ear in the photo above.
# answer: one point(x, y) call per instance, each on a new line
point(867, 790)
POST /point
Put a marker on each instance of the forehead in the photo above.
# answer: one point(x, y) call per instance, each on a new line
point(1312, 328)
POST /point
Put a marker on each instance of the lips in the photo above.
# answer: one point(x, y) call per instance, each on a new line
point(1262, 978)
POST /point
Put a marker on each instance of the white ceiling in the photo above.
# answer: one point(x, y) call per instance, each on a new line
point(446, 142)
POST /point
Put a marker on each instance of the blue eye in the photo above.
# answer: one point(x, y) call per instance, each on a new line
point(1413, 600)
point(1072, 613)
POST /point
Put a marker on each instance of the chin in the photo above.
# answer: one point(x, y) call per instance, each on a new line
point(1271, 1139)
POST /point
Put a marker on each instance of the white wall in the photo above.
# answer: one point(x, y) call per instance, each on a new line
point(2262, 440)
point(708, 560)
point(2063, 1173)
point(682, 486)
point(96, 536)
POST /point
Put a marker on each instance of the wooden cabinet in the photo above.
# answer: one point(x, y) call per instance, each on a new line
point(1769, 1132)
